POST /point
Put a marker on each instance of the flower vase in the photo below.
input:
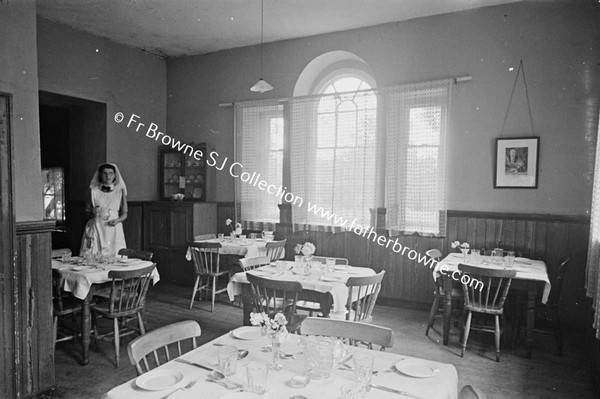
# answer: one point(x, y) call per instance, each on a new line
point(465, 252)
point(275, 345)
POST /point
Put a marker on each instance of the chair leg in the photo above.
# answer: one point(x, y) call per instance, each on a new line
point(117, 338)
point(214, 288)
point(466, 336)
point(141, 323)
point(54, 332)
point(497, 337)
point(195, 291)
point(432, 313)
point(558, 333)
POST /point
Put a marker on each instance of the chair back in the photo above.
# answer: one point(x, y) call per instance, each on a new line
point(323, 260)
point(57, 291)
point(471, 392)
point(136, 253)
point(206, 257)
point(352, 331)
point(274, 296)
point(362, 295)
point(554, 296)
point(252, 263)
point(434, 253)
point(152, 349)
point(486, 289)
point(275, 250)
point(128, 290)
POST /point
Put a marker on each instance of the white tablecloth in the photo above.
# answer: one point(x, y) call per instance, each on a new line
point(80, 282)
point(443, 385)
point(249, 249)
point(527, 269)
point(337, 288)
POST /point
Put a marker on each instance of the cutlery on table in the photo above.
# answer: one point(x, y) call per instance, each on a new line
point(185, 388)
point(194, 364)
point(376, 373)
point(392, 390)
point(224, 384)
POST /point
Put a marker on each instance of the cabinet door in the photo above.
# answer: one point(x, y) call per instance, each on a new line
point(162, 258)
point(172, 175)
point(181, 223)
point(182, 270)
point(156, 233)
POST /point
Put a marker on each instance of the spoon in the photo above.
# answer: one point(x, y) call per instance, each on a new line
point(242, 353)
point(218, 376)
point(300, 381)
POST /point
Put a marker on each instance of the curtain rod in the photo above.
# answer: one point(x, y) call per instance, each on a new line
point(457, 80)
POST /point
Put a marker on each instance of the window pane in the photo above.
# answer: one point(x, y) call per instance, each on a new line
point(424, 126)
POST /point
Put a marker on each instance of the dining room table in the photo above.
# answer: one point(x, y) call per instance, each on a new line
point(410, 377)
point(246, 248)
point(328, 289)
point(531, 277)
point(83, 278)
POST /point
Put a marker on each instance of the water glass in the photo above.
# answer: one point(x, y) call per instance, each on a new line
point(330, 265)
point(280, 266)
point(253, 236)
point(298, 259)
point(221, 236)
point(363, 368)
point(355, 391)
point(228, 356)
point(475, 255)
point(318, 356)
point(258, 375)
point(509, 259)
point(497, 255)
point(243, 238)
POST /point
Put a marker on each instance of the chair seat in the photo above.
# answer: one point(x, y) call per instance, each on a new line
point(104, 310)
point(214, 274)
point(492, 310)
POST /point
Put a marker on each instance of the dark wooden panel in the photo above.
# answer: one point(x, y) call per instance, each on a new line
point(133, 226)
point(33, 295)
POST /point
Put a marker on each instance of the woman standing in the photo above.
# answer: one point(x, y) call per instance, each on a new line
point(106, 206)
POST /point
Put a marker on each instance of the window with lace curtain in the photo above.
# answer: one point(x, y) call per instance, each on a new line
point(333, 152)
point(259, 135)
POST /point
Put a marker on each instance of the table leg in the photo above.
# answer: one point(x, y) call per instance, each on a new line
point(447, 310)
point(247, 306)
point(530, 319)
point(85, 329)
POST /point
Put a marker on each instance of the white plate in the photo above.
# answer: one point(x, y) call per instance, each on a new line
point(82, 268)
point(158, 379)
point(416, 368)
point(331, 278)
point(247, 333)
point(128, 260)
point(241, 395)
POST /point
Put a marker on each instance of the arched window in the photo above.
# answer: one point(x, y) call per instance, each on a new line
point(339, 126)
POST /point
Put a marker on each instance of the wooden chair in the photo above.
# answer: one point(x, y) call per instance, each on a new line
point(252, 263)
point(127, 299)
point(64, 304)
point(275, 296)
point(547, 312)
point(352, 331)
point(207, 259)
point(152, 349)
point(362, 295)
point(471, 392)
point(136, 253)
point(486, 296)
point(323, 260)
point(439, 295)
point(275, 250)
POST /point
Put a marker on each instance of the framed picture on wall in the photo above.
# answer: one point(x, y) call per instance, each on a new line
point(517, 160)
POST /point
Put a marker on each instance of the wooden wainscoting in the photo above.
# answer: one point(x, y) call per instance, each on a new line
point(546, 237)
point(34, 358)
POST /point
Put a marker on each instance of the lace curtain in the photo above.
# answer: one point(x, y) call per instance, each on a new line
point(416, 126)
point(592, 280)
point(259, 149)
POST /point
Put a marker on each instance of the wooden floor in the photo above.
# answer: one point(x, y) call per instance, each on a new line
point(545, 376)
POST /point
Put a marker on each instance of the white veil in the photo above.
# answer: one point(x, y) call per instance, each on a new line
point(119, 183)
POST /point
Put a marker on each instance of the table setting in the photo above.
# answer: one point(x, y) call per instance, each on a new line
point(242, 366)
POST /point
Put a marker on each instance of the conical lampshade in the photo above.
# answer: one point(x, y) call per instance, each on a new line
point(261, 86)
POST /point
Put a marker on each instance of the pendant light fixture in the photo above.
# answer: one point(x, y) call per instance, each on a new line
point(261, 86)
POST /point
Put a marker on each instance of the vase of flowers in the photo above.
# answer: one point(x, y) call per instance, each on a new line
point(235, 231)
point(307, 250)
point(464, 248)
point(275, 329)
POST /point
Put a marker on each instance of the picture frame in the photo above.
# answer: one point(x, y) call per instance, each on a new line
point(517, 161)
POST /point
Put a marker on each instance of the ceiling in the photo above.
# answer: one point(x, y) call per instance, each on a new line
point(174, 28)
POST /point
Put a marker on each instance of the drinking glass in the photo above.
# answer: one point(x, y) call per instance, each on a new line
point(509, 259)
point(221, 236)
point(243, 238)
point(318, 356)
point(280, 266)
point(497, 255)
point(355, 391)
point(363, 368)
point(253, 236)
point(227, 357)
point(330, 265)
point(475, 255)
point(258, 375)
